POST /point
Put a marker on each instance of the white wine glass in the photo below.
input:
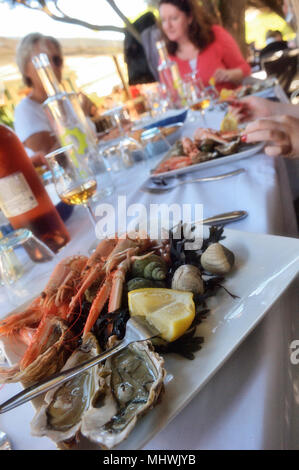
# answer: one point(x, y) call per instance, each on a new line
point(195, 96)
point(74, 181)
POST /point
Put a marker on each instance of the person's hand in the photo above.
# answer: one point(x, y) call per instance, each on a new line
point(281, 134)
point(253, 107)
point(222, 75)
point(228, 75)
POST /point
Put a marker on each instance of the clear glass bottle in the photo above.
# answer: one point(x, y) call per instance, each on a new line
point(70, 124)
point(170, 76)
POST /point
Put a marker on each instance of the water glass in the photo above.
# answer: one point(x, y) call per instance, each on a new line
point(20, 253)
point(122, 154)
point(154, 142)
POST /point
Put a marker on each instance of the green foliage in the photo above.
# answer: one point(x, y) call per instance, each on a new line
point(7, 116)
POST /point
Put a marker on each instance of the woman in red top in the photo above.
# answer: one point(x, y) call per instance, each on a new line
point(198, 45)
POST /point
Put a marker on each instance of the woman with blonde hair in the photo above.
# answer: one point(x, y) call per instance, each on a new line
point(31, 123)
point(196, 44)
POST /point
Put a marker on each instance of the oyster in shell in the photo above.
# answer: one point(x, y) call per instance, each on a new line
point(60, 417)
point(133, 381)
point(104, 402)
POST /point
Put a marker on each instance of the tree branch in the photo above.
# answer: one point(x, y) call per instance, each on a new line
point(68, 19)
point(128, 24)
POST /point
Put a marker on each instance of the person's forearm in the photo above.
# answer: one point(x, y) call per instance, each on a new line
point(288, 109)
point(236, 76)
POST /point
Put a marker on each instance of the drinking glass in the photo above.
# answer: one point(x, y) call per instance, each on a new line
point(75, 183)
point(195, 97)
point(20, 253)
point(154, 142)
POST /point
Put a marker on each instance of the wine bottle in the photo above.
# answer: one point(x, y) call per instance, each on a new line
point(170, 76)
point(70, 124)
point(23, 198)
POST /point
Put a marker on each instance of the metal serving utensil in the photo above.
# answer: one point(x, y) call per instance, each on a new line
point(165, 186)
point(4, 441)
point(136, 330)
point(226, 218)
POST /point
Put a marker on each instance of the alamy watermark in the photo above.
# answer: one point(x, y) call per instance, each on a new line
point(154, 221)
point(294, 357)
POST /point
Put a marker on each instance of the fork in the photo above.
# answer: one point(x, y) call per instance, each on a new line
point(4, 441)
point(203, 179)
point(136, 330)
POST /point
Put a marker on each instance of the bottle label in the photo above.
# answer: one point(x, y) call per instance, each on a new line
point(16, 196)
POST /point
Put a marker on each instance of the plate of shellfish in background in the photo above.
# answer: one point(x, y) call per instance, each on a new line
point(256, 280)
point(208, 148)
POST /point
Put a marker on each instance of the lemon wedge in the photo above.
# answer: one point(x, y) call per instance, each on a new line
point(229, 123)
point(225, 94)
point(170, 311)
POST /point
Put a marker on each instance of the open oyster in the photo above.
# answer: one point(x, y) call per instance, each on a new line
point(60, 417)
point(133, 383)
point(104, 402)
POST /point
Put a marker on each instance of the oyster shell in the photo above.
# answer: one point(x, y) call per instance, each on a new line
point(133, 380)
point(60, 417)
point(104, 402)
point(188, 278)
point(217, 259)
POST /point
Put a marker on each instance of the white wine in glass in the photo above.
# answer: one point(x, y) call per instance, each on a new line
point(80, 194)
point(75, 183)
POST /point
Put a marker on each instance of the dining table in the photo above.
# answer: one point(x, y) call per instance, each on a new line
point(252, 401)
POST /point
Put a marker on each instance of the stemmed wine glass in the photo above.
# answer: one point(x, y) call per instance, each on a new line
point(195, 96)
point(75, 183)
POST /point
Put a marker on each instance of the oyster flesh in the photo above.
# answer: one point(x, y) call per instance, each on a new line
point(133, 382)
point(105, 401)
point(60, 417)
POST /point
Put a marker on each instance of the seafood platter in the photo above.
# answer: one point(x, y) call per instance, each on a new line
point(262, 88)
point(207, 148)
point(83, 310)
point(204, 301)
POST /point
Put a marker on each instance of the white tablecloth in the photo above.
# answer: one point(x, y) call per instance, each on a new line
point(252, 402)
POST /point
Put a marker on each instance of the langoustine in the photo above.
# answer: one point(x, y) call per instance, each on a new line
point(61, 302)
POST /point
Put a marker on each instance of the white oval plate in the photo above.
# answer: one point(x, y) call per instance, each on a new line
point(250, 152)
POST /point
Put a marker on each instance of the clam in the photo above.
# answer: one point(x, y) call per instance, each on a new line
point(217, 259)
point(188, 278)
point(133, 381)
